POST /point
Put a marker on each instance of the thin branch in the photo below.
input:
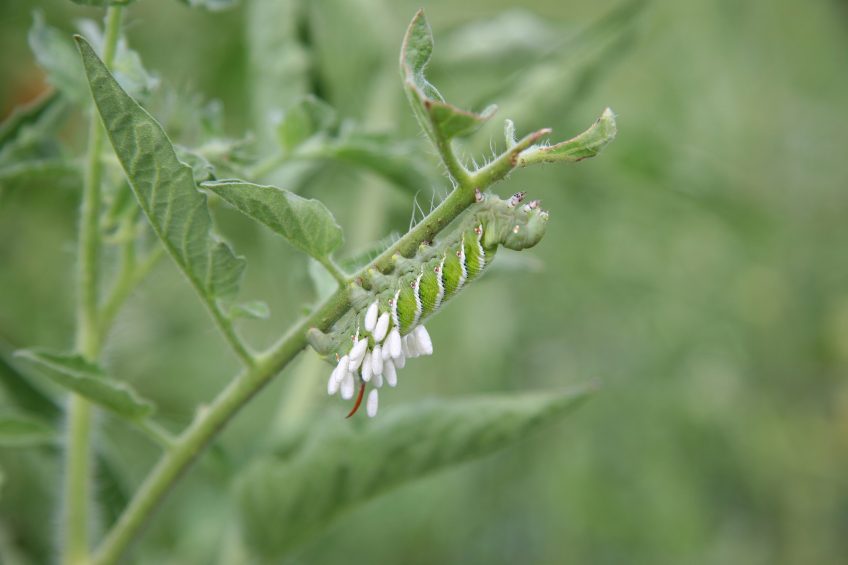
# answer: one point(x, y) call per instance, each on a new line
point(127, 280)
point(225, 324)
point(157, 433)
point(335, 271)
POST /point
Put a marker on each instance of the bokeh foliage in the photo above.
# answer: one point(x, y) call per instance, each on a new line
point(698, 270)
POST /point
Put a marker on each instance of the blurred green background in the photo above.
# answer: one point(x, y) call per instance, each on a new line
point(698, 268)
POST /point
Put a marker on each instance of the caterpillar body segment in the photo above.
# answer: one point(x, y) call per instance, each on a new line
point(420, 285)
point(385, 327)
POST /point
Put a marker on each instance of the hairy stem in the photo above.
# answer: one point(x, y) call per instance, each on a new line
point(507, 161)
point(75, 511)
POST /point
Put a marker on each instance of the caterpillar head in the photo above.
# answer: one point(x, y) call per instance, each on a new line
point(514, 224)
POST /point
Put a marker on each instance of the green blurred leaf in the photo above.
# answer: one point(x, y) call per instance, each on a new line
point(303, 120)
point(282, 502)
point(86, 379)
point(27, 114)
point(255, 310)
point(23, 430)
point(587, 144)
point(305, 223)
point(102, 3)
point(278, 61)
point(211, 5)
point(499, 42)
point(439, 119)
point(22, 388)
point(201, 168)
point(349, 41)
point(29, 133)
point(41, 172)
point(164, 187)
point(384, 155)
point(565, 75)
point(56, 55)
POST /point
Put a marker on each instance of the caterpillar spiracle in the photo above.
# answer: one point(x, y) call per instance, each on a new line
point(385, 326)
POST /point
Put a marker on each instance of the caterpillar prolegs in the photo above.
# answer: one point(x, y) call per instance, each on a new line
point(385, 326)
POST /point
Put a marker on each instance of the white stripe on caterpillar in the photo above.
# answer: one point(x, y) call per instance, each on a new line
point(416, 292)
point(464, 268)
point(440, 282)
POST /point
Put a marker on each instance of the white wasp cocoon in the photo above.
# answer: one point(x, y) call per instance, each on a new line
point(390, 373)
point(366, 368)
point(382, 326)
point(372, 403)
point(371, 317)
point(347, 386)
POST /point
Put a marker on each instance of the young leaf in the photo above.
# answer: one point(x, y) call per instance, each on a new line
point(587, 144)
point(305, 223)
point(439, 119)
point(22, 430)
point(282, 502)
point(86, 379)
point(164, 187)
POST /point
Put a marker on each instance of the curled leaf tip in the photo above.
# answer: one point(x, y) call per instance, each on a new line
point(587, 144)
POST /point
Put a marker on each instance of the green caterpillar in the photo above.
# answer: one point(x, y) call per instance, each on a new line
point(385, 327)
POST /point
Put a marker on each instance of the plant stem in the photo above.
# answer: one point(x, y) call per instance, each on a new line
point(334, 270)
point(455, 168)
point(225, 324)
point(76, 483)
point(211, 419)
point(157, 433)
point(130, 274)
point(267, 165)
point(75, 515)
point(507, 161)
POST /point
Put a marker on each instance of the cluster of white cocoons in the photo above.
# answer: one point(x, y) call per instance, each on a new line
point(377, 363)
